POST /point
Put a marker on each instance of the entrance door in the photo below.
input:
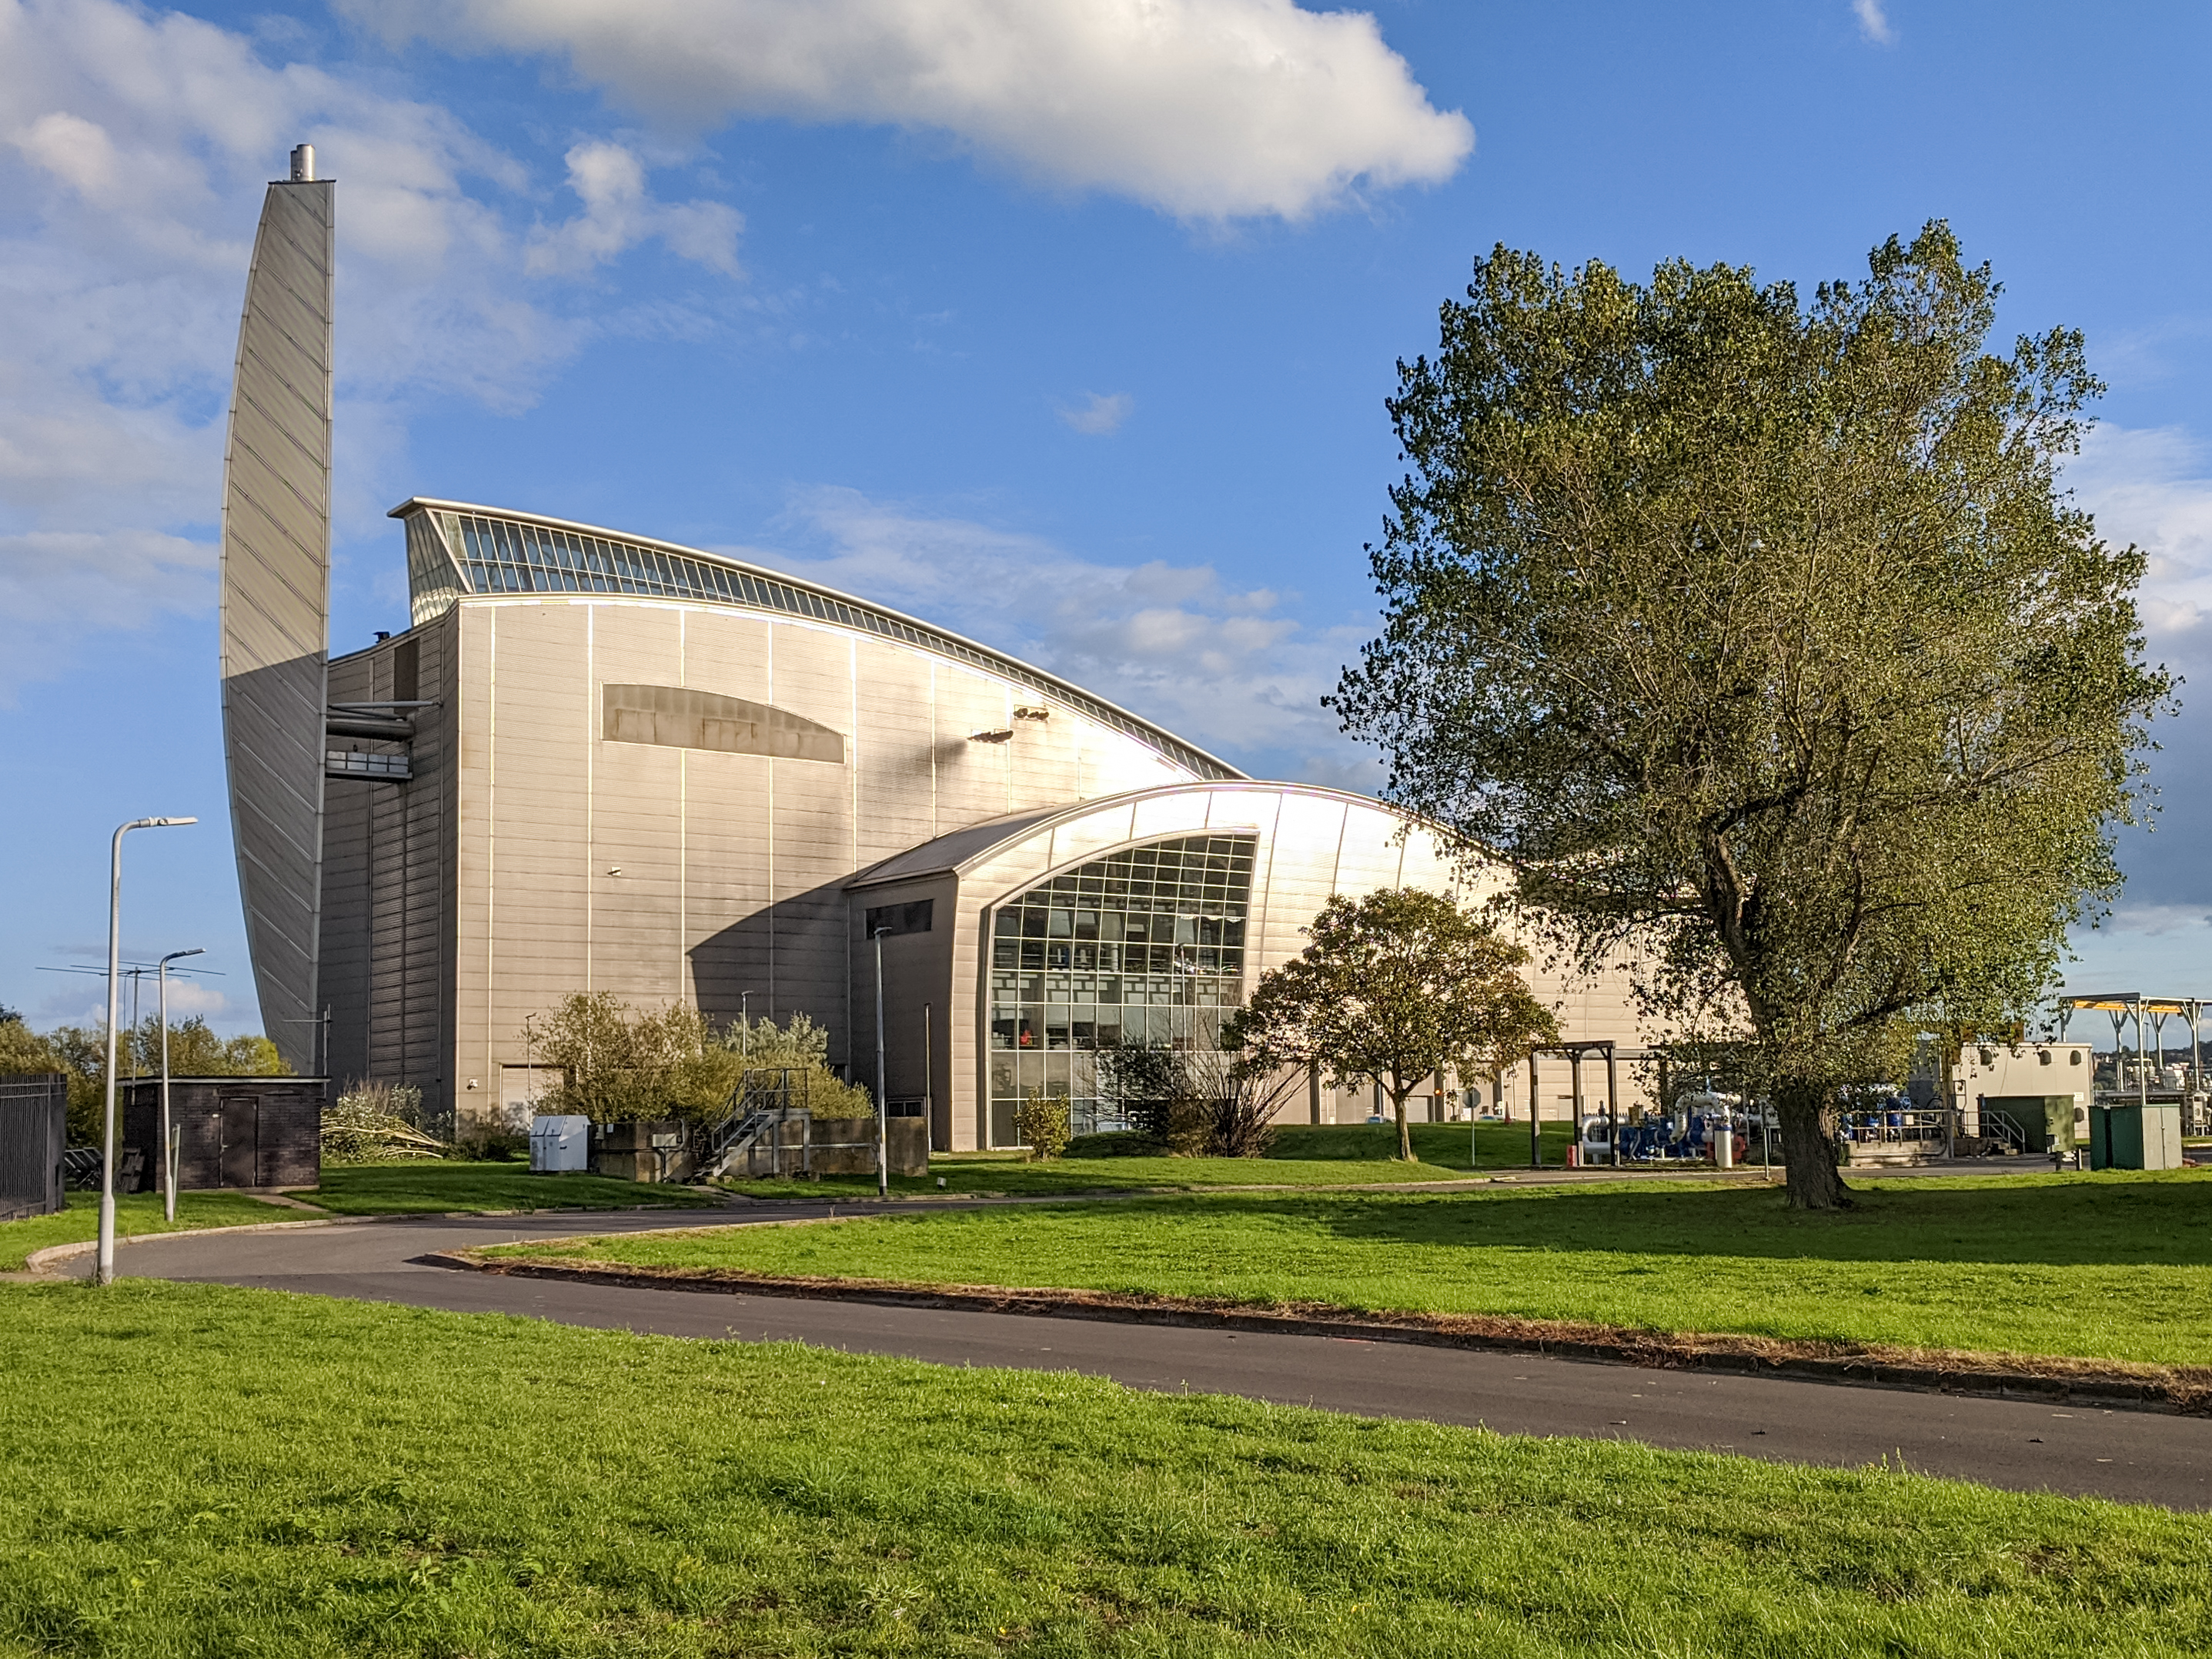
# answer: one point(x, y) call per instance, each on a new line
point(236, 1163)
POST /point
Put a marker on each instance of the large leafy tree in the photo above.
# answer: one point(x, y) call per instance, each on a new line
point(1758, 637)
point(1396, 986)
point(80, 1054)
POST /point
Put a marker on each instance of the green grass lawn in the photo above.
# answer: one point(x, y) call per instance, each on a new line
point(2109, 1265)
point(135, 1213)
point(319, 1477)
point(1304, 1155)
point(427, 1188)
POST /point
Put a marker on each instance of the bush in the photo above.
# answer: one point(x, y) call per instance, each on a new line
point(1195, 1103)
point(800, 1046)
point(491, 1143)
point(619, 1064)
point(1241, 1119)
point(1041, 1124)
point(1117, 1143)
point(377, 1123)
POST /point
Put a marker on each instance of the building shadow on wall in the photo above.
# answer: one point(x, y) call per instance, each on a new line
point(788, 958)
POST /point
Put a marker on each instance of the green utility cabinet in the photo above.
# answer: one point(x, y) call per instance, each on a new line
point(2136, 1137)
point(2047, 1120)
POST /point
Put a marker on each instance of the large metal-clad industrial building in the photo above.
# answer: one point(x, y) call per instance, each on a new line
point(597, 761)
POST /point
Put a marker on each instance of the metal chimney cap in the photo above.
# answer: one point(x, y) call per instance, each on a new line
point(303, 164)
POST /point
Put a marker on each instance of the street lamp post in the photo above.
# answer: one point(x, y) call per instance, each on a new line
point(168, 1140)
point(106, 1269)
point(882, 1108)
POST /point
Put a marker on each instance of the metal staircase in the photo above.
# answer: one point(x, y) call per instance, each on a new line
point(764, 1100)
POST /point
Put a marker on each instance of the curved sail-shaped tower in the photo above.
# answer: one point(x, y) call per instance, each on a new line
point(275, 599)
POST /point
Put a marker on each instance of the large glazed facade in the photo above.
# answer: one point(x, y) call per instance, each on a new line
point(597, 761)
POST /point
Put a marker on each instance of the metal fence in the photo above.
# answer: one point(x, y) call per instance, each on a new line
point(33, 1128)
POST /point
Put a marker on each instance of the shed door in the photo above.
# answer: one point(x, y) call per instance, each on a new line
point(240, 1131)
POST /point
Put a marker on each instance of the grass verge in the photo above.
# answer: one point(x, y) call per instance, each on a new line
point(427, 1188)
point(1304, 1155)
point(326, 1477)
point(135, 1213)
point(2111, 1267)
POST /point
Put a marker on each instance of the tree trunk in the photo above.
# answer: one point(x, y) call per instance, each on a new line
point(1405, 1134)
point(1806, 1109)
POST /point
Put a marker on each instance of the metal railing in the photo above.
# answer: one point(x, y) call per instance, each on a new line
point(764, 1099)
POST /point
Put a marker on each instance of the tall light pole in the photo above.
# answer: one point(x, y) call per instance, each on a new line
point(168, 1146)
point(106, 1258)
point(882, 1108)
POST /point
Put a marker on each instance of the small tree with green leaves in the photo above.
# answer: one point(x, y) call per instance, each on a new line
point(618, 1064)
point(1043, 1123)
point(798, 1045)
point(1396, 986)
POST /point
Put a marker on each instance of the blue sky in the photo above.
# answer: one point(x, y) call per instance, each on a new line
point(1068, 325)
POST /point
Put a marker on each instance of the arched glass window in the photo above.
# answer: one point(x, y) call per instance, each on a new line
point(1144, 946)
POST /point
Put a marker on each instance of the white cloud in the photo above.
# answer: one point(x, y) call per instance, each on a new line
point(1206, 109)
point(1171, 642)
point(134, 147)
point(1098, 414)
point(2153, 487)
point(1873, 22)
point(619, 212)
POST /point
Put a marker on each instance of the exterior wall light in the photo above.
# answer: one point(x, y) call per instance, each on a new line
point(1032, 714)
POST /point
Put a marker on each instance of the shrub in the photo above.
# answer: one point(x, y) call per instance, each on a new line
point(377, 1123)
point(491, 1142)
point(801, 1046)
point(619, 1064)
point(1196, 1102)
point(1041, 1123)
point(1241, 1118)
point(1117, 1143)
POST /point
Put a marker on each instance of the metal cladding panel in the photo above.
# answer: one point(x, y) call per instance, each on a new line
point(387, 879)
point(275, 604)
point(732, 865)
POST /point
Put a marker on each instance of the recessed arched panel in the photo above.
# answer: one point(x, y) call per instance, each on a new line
point(676, 717)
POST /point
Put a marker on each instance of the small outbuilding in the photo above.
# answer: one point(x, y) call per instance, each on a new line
point(231, 1131)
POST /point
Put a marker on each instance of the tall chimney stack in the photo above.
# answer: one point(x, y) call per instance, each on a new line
point(303, 164)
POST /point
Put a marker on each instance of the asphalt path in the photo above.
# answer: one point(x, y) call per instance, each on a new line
point(2146, 1457)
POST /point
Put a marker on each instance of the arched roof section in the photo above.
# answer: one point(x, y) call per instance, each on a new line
point(458, 550)
point(1331, 827)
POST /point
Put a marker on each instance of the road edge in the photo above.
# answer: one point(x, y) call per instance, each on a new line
point(2176, 1394)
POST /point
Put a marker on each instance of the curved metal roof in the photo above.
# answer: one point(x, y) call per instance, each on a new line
point(477, 551)
point(959, 850)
